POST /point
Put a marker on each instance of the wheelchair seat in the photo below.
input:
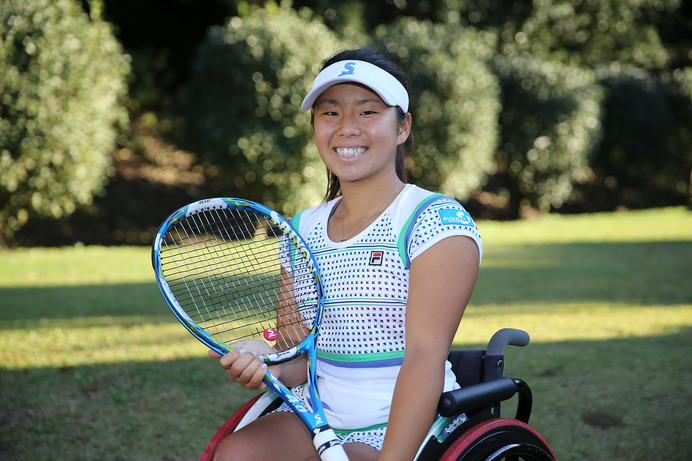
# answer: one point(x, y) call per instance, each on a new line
point(483, 436)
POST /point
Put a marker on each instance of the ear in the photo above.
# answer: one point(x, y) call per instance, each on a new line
point(404, 130)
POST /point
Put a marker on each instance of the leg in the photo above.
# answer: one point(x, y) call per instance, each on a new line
point(357, 451)
point(280, 435)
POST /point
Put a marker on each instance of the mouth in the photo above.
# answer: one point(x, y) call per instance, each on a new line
point(350, 152)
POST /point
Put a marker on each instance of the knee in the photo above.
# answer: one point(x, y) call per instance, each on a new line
point(233, 449)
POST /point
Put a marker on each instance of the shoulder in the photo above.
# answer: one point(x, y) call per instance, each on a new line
point(306, 219)
point(419, 206)
point(436, 217)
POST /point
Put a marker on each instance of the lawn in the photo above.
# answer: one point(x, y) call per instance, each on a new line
point(94, 367)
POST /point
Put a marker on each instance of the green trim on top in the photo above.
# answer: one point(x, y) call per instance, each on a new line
point(350, 431)
point(402, 242)
point(356, 358)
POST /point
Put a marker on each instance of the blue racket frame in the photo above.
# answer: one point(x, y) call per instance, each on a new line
point(315, 420)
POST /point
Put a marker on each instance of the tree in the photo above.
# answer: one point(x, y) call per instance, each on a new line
point(591, 33)
point(550, 125)
point(242, 106)
point(62, 75)
point(642, 138)
point(455, 102)
point(635, 160)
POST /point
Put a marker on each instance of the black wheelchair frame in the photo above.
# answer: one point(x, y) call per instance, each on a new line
point(484, 436)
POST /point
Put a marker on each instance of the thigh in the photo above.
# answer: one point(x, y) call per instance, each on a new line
point(358, 451)
point(281, 435)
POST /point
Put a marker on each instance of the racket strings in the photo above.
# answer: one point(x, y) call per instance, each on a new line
point(239, 278)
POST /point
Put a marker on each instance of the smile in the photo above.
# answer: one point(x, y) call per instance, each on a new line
point(350, 151)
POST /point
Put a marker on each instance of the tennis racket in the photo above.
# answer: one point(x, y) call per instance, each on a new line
point(238, 276)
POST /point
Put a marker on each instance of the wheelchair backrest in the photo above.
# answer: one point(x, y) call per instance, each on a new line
point(474, 366)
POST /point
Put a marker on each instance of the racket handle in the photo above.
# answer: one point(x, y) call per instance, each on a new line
point(328, 446)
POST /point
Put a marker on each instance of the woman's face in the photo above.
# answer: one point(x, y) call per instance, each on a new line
point(356, 133)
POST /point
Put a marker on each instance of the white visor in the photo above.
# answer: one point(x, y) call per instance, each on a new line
point(377, 79)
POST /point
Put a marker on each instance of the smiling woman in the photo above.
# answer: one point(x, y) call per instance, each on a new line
point(392, 262)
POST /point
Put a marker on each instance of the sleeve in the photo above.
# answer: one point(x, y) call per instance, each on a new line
point(441, 219)
point(286, 250)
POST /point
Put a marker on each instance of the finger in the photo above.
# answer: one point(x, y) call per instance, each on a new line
point(229, 359)
point(258, 376)
point(275, 370)
point(251, 369)
point(214, 354)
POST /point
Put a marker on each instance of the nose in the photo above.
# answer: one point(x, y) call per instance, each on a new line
point(348, 125)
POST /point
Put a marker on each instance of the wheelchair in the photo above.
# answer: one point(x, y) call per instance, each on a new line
point(485, 435)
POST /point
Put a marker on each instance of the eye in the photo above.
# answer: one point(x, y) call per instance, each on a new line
point(328, 113)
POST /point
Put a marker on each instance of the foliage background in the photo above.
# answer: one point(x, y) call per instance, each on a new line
point(519, 107)
point(62, 78)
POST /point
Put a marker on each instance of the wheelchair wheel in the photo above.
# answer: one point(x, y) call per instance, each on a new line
point(499, 439)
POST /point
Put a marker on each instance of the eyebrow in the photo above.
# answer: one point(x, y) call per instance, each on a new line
point(359, 102)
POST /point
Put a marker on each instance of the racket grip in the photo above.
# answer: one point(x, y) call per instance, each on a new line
point(328, 446)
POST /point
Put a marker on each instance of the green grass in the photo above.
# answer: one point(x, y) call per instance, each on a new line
point(93, 366)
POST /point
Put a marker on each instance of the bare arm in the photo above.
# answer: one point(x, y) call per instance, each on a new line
point(441, 282)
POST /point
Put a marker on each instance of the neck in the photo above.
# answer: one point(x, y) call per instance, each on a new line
point(360, 207)
point(359, 200)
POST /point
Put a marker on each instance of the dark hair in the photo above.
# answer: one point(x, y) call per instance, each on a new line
point(373, 57)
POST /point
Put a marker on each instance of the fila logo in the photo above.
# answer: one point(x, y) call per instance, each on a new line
point(348, 69)
point(376, 258)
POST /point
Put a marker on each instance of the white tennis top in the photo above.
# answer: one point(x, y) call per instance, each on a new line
point(362, 340)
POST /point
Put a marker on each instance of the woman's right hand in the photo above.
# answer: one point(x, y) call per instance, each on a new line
point(245, 367)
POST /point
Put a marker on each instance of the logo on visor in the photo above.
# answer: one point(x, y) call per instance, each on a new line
point(348, 69)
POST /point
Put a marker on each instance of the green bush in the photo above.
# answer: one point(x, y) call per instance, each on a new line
point(61, 77)
point(550, 124)
point(242, 106)
point(678, 87)
point(455, 103)
point(590, 33)
point(514, 101)
point(244, 120)
point(645, 158)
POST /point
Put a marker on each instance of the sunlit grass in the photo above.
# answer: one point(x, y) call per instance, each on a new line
point(574, 322)
point(664, 224)
point(104, 340)
point(62, 344)
point(76, 266)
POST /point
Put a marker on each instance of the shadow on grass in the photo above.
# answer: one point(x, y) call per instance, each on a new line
point(124, 411)
point(26, 304)
point(625, 399)
point(619, 399)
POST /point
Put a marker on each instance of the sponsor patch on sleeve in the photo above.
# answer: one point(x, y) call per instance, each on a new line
point(455, 217)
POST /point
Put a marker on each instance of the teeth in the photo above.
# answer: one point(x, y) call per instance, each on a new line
point(350, 151)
